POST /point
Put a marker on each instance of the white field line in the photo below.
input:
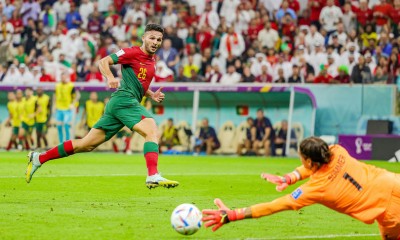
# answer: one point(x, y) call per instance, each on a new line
point(329, 236)
point(126, 175)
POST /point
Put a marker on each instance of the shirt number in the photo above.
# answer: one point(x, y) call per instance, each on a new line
point(142, 73)
point(352, 181)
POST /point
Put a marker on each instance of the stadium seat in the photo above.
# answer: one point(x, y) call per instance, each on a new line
point(5, 133)
point(227, 139)
point(184, 138)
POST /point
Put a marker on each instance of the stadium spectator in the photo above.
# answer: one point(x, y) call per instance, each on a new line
point(370, 62)
point(384, 43)
point(8, 8)
point(381, 13)
point(315, 7)
point(264, 134)
point(94, 75)
point(395, 18)
point(268, 37)
point(283, 10)
point(332, 66)
point(232, 44)
point(163, 73)
point(257, 63)
point(85, 9)
point(364, 14)
point(61, 8)
point(247, 76)
point(264, 77)
point(45, 77)
point(215, 75)
point(132, 15)
point(170, 19)
point(313, 38)
point(229, 11)
point(12, 76)
point(343, 75)
point(380, 77)
point(26, 76)
point(73, 19)
point(393, 67)
point(30, 10)
point(361, 72)
point(207, 140)
point(169, 136)
point(169, 55)
point(230, 77)
point(296, 77)
point(330, 16)
point(323, 76)
point(348, 18)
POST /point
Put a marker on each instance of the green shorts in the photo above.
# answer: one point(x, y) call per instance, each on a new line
point(28, 128)
point(15, 130)
point(41, 127)
point(121, 111)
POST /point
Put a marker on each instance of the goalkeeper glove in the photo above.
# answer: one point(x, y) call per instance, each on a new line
point(281, 182)
point(222, 216)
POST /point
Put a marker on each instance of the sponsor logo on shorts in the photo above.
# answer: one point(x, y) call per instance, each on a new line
point(297, 193)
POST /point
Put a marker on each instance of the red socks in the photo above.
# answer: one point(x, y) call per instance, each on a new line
point(151, 156)
point(63, 150)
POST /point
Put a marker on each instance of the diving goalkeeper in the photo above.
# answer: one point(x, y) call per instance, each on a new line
point(337, 181)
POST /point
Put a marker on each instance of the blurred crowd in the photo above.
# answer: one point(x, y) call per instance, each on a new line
point(215, 41)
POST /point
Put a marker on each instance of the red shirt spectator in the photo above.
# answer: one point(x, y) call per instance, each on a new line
point(94, 75)
point(254, 28)
point(364, 16)
point(323, 78)
point(382, 12)
point(315, 7)
point(295, 5)
point(191, 18)
point(46, 77)
point(395, 14)
point(204, 38)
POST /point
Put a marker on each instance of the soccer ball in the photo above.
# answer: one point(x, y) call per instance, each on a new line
point(186, 219)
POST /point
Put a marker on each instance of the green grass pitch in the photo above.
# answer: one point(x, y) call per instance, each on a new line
point(103, 196)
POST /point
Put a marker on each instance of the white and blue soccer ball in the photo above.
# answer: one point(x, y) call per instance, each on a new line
point(186, 219)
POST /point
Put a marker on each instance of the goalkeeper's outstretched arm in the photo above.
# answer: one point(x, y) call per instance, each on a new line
point(282, 182)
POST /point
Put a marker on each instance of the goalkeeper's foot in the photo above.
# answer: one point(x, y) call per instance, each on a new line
point(33, 165)
point(157, 180)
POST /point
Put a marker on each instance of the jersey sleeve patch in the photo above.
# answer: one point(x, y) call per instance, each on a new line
point(297, 193)
point(120, 53)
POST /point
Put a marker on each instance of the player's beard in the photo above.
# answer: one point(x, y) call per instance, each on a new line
point(150, 49)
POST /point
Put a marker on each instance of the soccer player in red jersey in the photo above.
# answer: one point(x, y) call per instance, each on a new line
point(123, 109)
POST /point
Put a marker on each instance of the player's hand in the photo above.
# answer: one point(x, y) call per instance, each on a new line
point(216, 218)
point(158, 96)
point(280, 182)
point(113, 82)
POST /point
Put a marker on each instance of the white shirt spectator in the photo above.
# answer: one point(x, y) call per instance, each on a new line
point(333, 70)
point(317, 59)
point(372, 3)
point(313, 39)
point(103, 5)
point(228, 10)
point(212, 18)
point(118, 32)
point(36, 74)
point(169, 20)
point(61, 7)
point(330, 16)
point(132, 15)
point(220, 61)
point(271, 5)
point(54, 38)
point(26, 76)
point(342, 38)
point(268, 37)
point(31, 10)
point(243, 20)
point(85, 10)
point(12, 76)
point(230, 78)
point(200, 5)
point(287, 69)
point(75, 44)
point(236, 43)
point(257, 63)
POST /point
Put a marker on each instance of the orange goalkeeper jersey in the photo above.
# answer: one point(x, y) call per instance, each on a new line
point(346, 185)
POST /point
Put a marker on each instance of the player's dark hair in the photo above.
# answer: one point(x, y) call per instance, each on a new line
point(316, 149)
point(154, 27)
